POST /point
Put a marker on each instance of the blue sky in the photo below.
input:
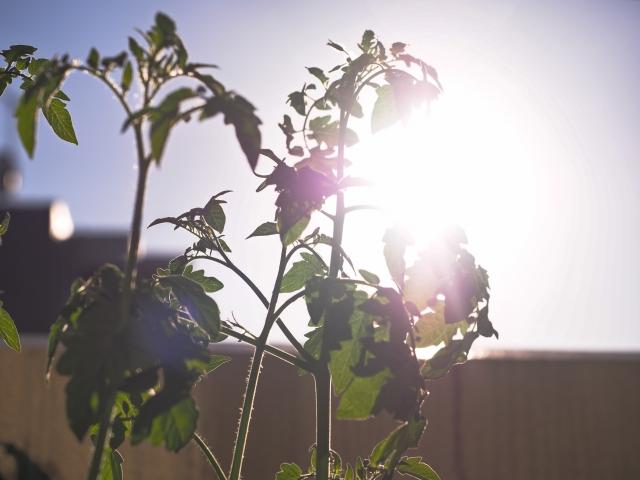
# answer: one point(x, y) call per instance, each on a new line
point(542, 102)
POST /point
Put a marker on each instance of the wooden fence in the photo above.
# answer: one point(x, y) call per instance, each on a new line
point(504, 416)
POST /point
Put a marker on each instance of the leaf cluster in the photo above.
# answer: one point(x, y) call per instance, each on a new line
point(145, 361)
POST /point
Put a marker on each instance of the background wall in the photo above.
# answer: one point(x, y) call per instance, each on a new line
point(552, 417)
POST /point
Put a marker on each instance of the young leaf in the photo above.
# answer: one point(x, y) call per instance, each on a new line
point(165, 23)
point(297, 101)
point(415, 467)
point(318, 73)
point(191, 295)
point(385, 112)
point(209, 284)
point(289, 471)
point(60, 120)
point(267, 228)
point(300, 273)
point(405, 436)
point(349, 475)
point(214, 215)
point(163, 118)
point(93, 60)
point(26, 114)
point(367, 41)
point(8, 331)
point(336, 46)
point(127, 76)
point(369, 277)
point(215, 361)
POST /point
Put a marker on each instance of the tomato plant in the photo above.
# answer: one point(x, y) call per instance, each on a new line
point(135, 348)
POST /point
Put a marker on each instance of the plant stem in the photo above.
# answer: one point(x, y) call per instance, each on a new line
point(210, 456)
point(254, 372)
point(323, 375)
point(136, 221)
point(322, 379)
point(103, 432)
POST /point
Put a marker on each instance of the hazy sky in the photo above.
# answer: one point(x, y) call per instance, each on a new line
point(536, 141)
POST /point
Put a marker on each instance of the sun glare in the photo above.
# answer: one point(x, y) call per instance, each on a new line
point(449, 165)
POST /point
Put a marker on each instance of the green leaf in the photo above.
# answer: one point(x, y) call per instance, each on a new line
point(318, 73)
point(208, 284)
point(192, 296)
point(358, 401)
point(453, 353)
point(93, 60)
point(60, 120)
point(26, 113)
point(297, 101)
point(127, 76)
point(367, 41)
point(8, 330)
point(289, 471)
point(215, 361)
point(4, 226)
point(349, 475)
point(369, 277)
point(295, 231)
point(175, 428)
point(165, 23)
point(111, 468)
point(62, 96)
point(395, 243)
point(391, 448)
point(415, 467)
point(347, 356)
point(267, 228)
point(136, 49)
point(214, 215)
point(300, 273)
point(163, 119)
point(385, 112)
point(17, 51)
point(336, 46)
point(431, 328)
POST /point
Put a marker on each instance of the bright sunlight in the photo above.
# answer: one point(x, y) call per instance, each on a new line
point(459, 162)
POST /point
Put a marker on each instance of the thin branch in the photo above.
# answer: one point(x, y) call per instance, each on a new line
point(276, 352)
point(210, 456)
point(108, 82)
point(360, 207)
point(281, 325)
point(288, 302)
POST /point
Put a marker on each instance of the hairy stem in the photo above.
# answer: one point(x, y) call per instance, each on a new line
point(254, 372)
point(103, 433)
point(210, 456)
